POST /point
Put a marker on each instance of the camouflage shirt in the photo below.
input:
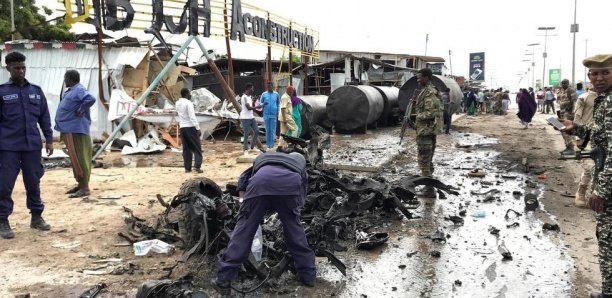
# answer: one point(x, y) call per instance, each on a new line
point(600, 130)
point(567, 102)
point(429, 112)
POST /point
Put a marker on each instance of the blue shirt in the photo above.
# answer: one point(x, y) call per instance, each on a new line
point(23, 109)
point(76, 100)
point(270, 101)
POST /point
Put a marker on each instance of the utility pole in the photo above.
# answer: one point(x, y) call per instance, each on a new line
point(532, 45)
point(450, 61)
point(545, 54)
point(12, 20)
point(426, 41)
point(574, 29)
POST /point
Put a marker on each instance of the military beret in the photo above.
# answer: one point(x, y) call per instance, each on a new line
point(601, 61)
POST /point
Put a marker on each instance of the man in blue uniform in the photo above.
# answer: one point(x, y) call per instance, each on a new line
point(270, 100)
point(23, 107)
point(276, 181)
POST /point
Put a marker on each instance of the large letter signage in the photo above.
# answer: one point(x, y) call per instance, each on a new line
point(247, 24)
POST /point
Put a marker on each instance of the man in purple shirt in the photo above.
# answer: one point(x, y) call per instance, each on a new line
point(276, 181)
point(23, 107)
point(72, 120)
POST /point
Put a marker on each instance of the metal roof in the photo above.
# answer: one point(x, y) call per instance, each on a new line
point(46, 68)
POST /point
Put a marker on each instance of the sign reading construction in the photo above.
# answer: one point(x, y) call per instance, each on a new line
point(267, 29)
point(477, 66)
point(196, 17)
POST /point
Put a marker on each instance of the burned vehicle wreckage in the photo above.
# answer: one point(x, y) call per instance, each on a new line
point(338, 211)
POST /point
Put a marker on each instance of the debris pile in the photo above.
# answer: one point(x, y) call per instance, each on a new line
point(339, 210)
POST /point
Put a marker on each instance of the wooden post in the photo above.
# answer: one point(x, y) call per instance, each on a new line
point(230, 64)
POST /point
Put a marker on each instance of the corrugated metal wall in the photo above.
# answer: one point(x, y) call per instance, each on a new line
point(46, 68)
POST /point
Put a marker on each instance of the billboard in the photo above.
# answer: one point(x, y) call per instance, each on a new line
point(477, 66)
point(554, 76)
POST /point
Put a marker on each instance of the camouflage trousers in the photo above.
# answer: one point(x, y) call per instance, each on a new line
point(604, 240)
point(569, 140)
point(426, 145)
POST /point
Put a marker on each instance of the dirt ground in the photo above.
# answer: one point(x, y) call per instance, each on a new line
point(32, 265)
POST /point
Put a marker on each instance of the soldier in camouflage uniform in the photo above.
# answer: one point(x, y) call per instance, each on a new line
point(600, 132)
point(428, 124)
point(567, 101)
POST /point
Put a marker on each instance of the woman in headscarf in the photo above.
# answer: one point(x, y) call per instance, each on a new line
point(527, 107)
point(296, 103)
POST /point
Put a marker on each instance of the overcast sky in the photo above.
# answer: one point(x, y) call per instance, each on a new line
point(501, 29)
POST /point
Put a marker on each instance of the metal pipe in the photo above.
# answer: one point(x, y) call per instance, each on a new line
point(145, 94)
point(213, 66)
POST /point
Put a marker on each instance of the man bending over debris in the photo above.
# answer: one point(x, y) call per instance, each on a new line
point(276, 181)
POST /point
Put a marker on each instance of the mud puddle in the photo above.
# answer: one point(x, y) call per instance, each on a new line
point(365, 152)
point(466, 260)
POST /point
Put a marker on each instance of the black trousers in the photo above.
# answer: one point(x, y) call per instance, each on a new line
point(191, 147)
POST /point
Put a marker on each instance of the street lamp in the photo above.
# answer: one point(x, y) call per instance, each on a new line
point(545, 54)
point(574, 29)
point(532, 45)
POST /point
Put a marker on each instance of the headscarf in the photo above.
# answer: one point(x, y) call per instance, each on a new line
point(295, 100)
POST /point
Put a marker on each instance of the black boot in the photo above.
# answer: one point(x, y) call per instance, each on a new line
point(38, 222)
point(5, 229)
point(223, 287)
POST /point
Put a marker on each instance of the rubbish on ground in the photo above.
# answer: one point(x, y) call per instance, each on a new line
point(109, 260)
point(122, 244)
point(143, 247)
point(531, 202)
point(517, 193)
point(490, 191)
point(365, 241)
point(256, 246)
point(542, 176)
point(516, 214)
point(401, 266)
point(479, 214)
point(477, 173)
point(93, 291)
point(551, 227)
point(182, 287)
point(489, 199)
point(435, 253)
point(438, 236)
point(458, 283)
point(493, 230)
point(69, 245)
point(513, 225)
point(412, 253)
point(503, 250)
point(457, 220)
point(113, 268)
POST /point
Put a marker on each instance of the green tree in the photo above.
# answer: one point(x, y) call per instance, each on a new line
point(30, 23)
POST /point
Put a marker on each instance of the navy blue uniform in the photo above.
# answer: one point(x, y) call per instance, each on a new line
point(276, 187)
point(22, 110)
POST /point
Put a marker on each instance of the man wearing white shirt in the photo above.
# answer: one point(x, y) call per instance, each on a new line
point(247, 119)
point(190, 132)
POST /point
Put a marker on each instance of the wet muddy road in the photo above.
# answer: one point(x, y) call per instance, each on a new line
point(435, 257)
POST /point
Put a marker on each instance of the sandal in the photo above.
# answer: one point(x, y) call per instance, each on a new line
point(79, 194)
point(72, 190)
